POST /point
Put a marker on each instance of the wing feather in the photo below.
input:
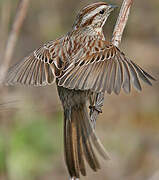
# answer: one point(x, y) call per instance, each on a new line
point(105, 70)
point(126, 83)
point(119, 77)
point(134, 76)
point(144, 76)
point(102, 80)
point(112, 78)
point(97, 79)
point(40, 68)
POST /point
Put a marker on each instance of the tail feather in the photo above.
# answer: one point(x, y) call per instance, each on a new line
point(70, 144)
point(80, 151)
point(80, 141)
point(95, 140)
point(87, 145)
point(73, 130)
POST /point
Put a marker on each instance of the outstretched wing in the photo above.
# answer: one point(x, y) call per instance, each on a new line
point(105, 70)
point(40, 68)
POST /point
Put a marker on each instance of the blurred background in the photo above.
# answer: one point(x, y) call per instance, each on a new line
point(31, 122)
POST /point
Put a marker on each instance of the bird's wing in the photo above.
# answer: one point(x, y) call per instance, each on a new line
point(105, 70)
point(40, 68)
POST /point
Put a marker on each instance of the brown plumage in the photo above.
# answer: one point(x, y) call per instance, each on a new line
point(82, 63)
point(80, 139)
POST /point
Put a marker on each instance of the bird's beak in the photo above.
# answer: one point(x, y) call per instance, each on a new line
point(112, 7)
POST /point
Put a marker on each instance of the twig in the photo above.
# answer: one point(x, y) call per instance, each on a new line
point(4, 24)
point(8, 53)
point(13, 36)
point(121, 22)
point(116, 39)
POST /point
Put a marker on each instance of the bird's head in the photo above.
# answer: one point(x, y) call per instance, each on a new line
point(93, 16)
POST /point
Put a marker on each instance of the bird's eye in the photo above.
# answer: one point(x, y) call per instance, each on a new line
point(102, 11)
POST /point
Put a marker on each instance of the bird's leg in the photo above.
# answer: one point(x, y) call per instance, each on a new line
point(96, 103)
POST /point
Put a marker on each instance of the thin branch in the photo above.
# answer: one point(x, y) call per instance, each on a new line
point(121, 22)
point(4, 24)
point(116, 39)
point(7, 56)
point(13, 36)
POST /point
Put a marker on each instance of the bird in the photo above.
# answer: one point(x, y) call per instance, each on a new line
point(82, 64)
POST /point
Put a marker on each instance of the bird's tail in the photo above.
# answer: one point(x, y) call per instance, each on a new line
point(80, 141)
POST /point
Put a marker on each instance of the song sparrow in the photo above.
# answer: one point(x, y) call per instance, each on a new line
point(82, 63)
